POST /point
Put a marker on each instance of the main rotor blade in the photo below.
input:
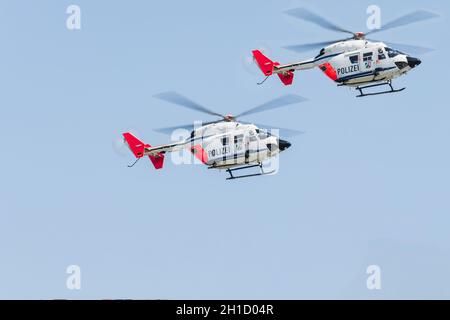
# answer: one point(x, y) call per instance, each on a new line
point(176, 98)
point(189, 127)
point(274, 104)
point(312, 46)
point(305, 14)
point(170, 130)
point(282, 132)
point(410, 49)
point(413, 17)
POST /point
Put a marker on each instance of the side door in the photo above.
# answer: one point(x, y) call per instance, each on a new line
point(238, 145)
point(368, 61)
point(226, 146)
point(346, 65)
point(251, 145)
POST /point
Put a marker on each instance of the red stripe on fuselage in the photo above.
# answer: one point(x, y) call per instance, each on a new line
point(200, 153)
point(329, 71)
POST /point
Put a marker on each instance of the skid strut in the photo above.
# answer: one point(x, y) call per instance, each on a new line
point(387, 83)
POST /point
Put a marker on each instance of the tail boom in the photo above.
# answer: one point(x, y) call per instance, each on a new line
point(269, 67)
point(286, 71)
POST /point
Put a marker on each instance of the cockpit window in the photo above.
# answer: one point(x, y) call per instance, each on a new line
point(262, 134)
point(252, 136)
point(381, 55)
point(392, 53)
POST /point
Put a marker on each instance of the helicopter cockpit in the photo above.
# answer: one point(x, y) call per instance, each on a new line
point(392, 52)
point(263, 134)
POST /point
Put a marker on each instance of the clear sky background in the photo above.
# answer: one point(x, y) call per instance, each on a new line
point(367, 184)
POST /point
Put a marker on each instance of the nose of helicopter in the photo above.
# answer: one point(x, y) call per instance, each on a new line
point(413, 62)
point(283, 144)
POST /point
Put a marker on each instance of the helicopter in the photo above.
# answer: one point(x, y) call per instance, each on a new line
point(224, 143)
point(354, 61)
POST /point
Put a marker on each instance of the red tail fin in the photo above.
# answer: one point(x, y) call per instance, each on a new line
point(138, 148)
point(267, 66)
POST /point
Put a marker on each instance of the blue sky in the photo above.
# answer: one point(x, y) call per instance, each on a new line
point(367, 184)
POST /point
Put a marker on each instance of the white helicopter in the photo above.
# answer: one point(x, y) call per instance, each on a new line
point(354, 61)
point(220, 144)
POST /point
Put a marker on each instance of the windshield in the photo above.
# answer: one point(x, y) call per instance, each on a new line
point(392, 53)
point(262, 134)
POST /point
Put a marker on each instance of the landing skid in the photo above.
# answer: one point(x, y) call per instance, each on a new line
point(262, 173)
point(387, 83)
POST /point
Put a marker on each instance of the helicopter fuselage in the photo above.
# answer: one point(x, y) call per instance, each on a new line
point(356, 62)
point(229, 144)
point(353, 61)
point(348, 63)
point(220, 144)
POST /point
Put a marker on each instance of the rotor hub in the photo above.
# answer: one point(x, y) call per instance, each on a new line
point(359, 35)
point(229, 117)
